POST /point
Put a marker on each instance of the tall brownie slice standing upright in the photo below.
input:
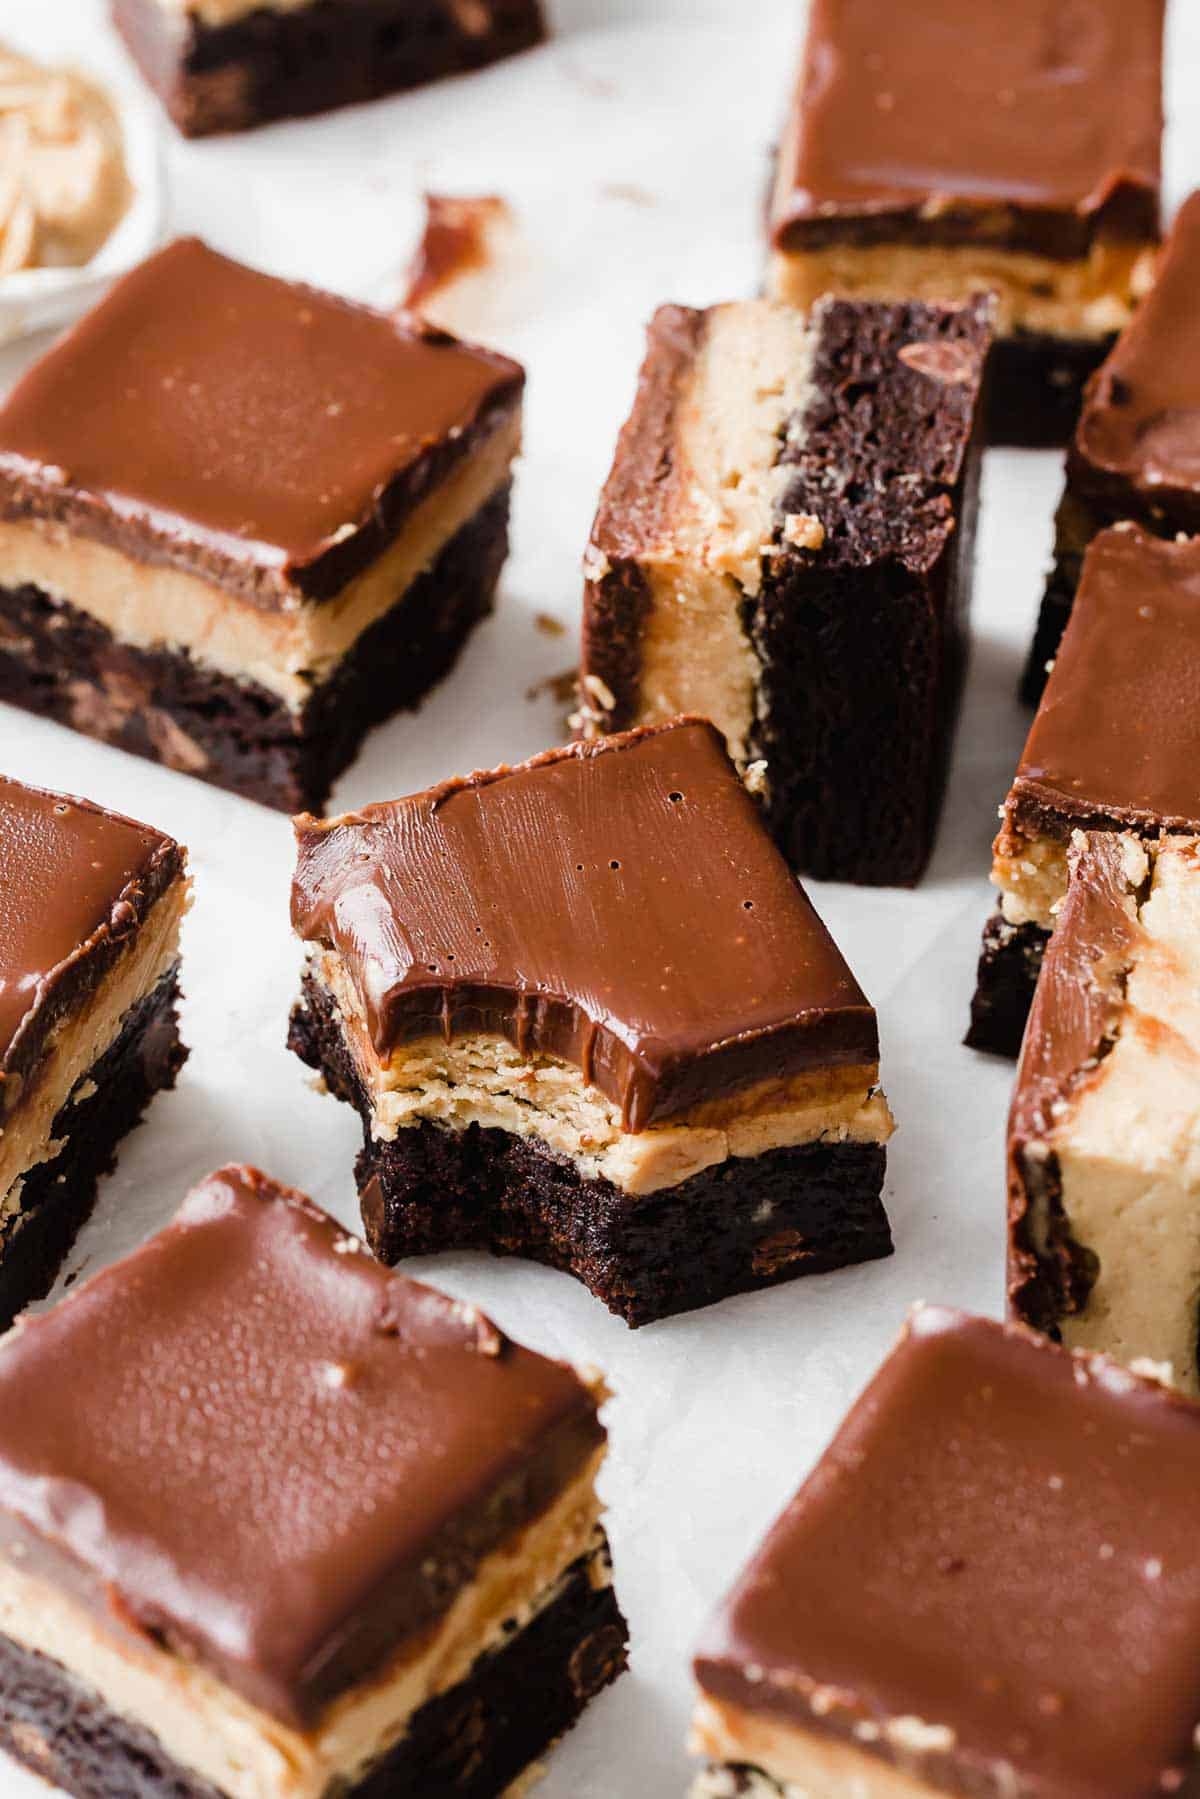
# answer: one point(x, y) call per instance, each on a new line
point(938, 149)
point(1115, 746)
point(242, 521)
point(282, 1525)
point(90, 911)
point(223, 65)
point(587, 1015)
point(784, 544)
point(1136, 450)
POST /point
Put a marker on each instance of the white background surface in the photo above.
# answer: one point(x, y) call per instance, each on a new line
point(635, 148)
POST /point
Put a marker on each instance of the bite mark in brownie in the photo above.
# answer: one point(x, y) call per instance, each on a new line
point(929, 155)
point(204, 554)
point(699, 1054)
point(226, 65)
point(784, 544)
point(403, 1546)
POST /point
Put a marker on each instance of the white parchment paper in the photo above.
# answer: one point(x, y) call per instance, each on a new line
point(635, 150)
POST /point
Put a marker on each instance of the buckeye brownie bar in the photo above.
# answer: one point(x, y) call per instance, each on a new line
point(587, 1015)
point(90, 911)
point(986, 1589)
point(1136, 450)
point(784, 544)
point(241, 522)
point(283, 1525)
point(937, 150)
point(224, 65)
point(1115, 746)
point(1104, 1134)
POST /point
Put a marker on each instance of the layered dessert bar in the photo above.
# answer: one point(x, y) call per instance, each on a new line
point(986, 1590)
point(241, 521)
point(224, 65)
point(937, 150)
point(1136, 450)
point(90, 910)
point(785, 545)
point(1104, 1134)
point(282, 1525)
point(1115, 746)
point(587, 1015)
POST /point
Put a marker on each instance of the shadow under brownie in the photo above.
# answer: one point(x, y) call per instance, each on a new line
point(90, 911)
point(242, 522)
point(1115, 746)
point(587, 1015)
point(945, 150)
point(785, 545)
point(224, 65)
point(287, 1526)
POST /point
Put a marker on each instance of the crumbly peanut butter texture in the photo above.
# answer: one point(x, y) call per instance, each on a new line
point(798, 1762)
point(63, 182)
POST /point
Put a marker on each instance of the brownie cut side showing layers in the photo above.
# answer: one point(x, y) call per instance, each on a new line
point(1135, 453)
point(242, 522)
point(939, 151)
point(225, 65)
point(1104, 1134)
point(1115, 746)
point(785, 545)
point(972, 1594)
point(587, 1015)
point(399, 1583)
point(91, 910)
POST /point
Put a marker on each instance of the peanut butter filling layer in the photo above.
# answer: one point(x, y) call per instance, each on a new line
point(82, 1038)
point(1090, 297)
point(1031, 873)
point(225, 12)
point(483, 1080)
point(290, 652)
point(749, 383)
point(799, 1762)
point(225, 1741)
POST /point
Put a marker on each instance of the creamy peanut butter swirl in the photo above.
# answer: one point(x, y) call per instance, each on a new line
point(63, 182)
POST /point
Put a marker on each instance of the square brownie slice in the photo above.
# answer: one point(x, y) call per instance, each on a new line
point(1136, 450)
point(282, 1525)
point(1104, 1133)
point(241, 521)
point(785, 545)
point(1115, 746)
point(937, 150)
point(986, 1589)
point(587, 1015)
point(90, 911)
point(224, 65)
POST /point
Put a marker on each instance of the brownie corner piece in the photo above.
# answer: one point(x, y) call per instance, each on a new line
point(89, 985)
point(982, 1463)
point(699, 1135)
point(227, 65)
point(826, 586)
point(237, 591)
point(401, 1582)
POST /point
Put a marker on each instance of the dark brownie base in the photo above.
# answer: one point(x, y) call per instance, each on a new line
point(751, 1222)
point(1035, 388)
point(57, 1197)
point(1009, 964)
point(469, 1743)
point(57, 661)
point(275, 65)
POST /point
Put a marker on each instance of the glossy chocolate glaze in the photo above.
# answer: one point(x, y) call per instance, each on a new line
point(1000, 1541)
point(1140, 425)
point(1039, 115)
point(256, 1444)
point(1116, 739)
point(75, 883)
point(266, 436)
point(617, 904)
